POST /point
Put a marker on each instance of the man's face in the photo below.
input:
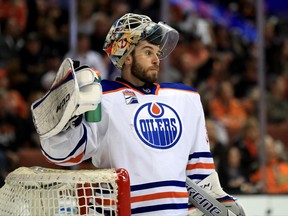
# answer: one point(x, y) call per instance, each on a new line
point(145, 64)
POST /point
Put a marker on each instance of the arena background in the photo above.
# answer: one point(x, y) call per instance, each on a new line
point(248, 37)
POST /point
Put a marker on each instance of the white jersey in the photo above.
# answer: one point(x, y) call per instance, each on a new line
point(157, 133)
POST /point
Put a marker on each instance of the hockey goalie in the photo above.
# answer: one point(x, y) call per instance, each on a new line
point(156, 131)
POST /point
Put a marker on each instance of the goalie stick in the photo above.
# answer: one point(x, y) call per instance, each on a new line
point(205, 202)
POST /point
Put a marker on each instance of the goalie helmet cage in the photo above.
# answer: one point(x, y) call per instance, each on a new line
point(38, 191)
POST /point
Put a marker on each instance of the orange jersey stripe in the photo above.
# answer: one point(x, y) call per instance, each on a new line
point(76, 159)
point(200, 166)
point(116, 90)
point(157, 88)
point(162, 195)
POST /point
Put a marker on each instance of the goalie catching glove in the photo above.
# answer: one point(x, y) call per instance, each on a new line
point(74, 91)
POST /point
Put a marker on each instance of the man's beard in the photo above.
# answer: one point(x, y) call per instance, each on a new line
point(142, 73)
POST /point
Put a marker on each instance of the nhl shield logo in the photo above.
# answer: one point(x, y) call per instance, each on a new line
point(157, 125)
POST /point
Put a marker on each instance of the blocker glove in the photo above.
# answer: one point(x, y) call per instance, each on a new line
point(212, 186)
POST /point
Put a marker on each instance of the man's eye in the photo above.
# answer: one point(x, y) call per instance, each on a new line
point(148, 52)
point(160, 54)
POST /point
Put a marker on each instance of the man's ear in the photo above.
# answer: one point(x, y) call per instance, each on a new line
point(128, 60)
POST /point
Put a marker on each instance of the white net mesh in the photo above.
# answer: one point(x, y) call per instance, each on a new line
point(39, 191)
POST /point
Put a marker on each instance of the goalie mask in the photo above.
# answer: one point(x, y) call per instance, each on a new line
point(130, 29)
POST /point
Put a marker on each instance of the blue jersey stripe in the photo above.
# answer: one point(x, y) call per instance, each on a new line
point(198, 176)
point(81, 142)
point(200, 154)
point(109, 85)
point(159, 208)
point(157, 184)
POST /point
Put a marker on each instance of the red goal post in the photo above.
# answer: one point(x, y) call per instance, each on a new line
point(41, 191)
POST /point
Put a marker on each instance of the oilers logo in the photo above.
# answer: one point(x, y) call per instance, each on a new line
point(157, 125)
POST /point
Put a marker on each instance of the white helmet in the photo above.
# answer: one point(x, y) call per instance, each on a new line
point(130, 29)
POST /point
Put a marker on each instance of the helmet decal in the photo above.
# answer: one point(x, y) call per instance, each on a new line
point(130, 29)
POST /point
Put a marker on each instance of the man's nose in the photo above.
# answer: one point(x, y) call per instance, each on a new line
point(156, 60)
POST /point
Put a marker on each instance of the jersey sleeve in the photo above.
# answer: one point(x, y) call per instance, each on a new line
point(200, 162)
point(72, 146)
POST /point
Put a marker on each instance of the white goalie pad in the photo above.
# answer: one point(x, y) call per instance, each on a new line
point(73, 92)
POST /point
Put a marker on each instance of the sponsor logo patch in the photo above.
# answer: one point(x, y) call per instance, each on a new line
point(130, 97)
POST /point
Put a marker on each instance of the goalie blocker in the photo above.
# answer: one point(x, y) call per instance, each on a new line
point(74, 91)
point(206, 196)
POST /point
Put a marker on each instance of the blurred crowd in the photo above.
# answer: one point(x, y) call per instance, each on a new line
point(219, 63)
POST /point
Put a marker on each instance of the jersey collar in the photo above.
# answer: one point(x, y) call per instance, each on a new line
point(148, 88)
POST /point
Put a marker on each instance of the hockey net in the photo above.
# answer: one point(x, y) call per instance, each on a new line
point(41, 191)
